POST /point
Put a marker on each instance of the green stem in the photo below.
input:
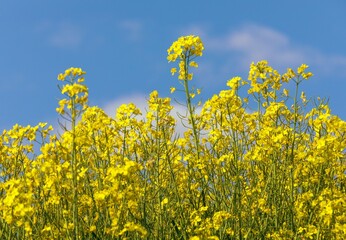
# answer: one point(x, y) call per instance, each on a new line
point(74, 173)
point(292, 156)
point(191, 113)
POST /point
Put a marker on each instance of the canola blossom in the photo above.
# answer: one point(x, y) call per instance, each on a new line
point(185, 49)
point(266, 165)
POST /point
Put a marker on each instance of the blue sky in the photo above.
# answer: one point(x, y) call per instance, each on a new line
point(122, 47)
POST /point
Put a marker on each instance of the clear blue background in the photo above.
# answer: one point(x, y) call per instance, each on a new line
point(122, 47)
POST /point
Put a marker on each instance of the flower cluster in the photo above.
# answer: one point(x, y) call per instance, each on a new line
point(74, 90)
point(71, 73)
point(267, 165)
point(186, 48)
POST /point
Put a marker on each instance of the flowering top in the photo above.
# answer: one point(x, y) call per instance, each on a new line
point(75, 91)
point(72, 72)
point(185, 48)
point(191, 44)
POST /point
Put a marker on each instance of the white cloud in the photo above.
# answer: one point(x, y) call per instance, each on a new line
point(132, 29)
point(66, 36)
point(257, 43)
point(254, 43)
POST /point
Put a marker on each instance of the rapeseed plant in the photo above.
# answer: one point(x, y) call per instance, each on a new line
point(268, 165)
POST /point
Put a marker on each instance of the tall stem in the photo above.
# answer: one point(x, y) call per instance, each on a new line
point(74, 173)
point(292, 155)
point(191, 111)
point(191, 115)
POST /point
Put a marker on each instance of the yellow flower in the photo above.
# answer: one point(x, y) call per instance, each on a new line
point(193, 64)
point(307, 75)
point(164, 202)
point(234, 83)
point(285, 92)
point(92, 228)
point(185, 48)
point(72, 72)
point(173, 71)
point(100, 196)
point(302, 68)
point(303, 97)
point(172, 89)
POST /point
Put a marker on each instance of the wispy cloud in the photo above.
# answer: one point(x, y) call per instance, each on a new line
point(255, 43)
point(251, 42)
point(66, 36)
point(132, 29)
